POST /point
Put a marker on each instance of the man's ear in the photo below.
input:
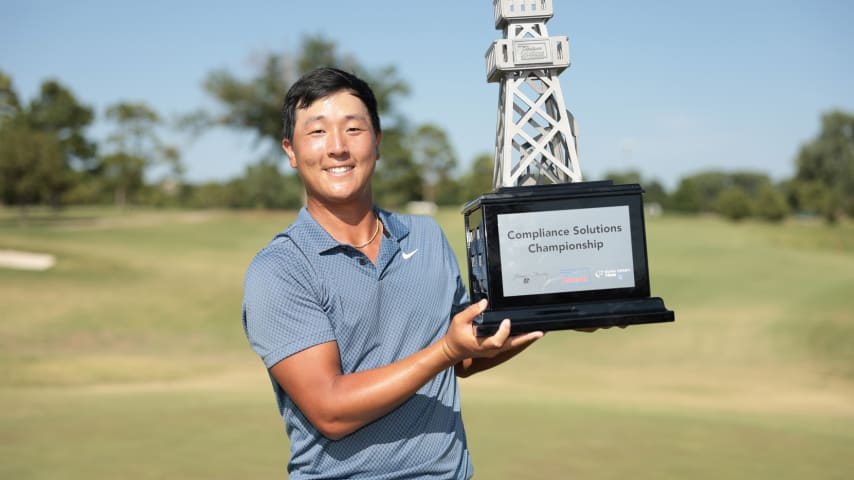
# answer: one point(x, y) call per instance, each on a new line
point(289, 151)
point(379, 141)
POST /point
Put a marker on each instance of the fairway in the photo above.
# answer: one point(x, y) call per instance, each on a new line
point(127, 358)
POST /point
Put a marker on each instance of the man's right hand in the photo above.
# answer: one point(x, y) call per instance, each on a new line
point(461, 342)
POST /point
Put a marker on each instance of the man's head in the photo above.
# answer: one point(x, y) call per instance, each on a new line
point(332, 138)
point(321, 83)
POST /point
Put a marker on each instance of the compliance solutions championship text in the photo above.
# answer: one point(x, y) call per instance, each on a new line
point(565, 245)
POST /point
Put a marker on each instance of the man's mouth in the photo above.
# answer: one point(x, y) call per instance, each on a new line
point(339, 170)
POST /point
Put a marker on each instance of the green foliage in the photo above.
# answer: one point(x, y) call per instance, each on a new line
point(123, 175)
point(135, 124)
point(734, 195)
point(266, 187)
point(771, 204)
point(434, 156)
point(827, 162)
point(479, 178)
point(252, 105)
point(396, 181)
point(449, 191)
point(812, 198)
point(255, 105)
point(654, 191)
point(43, 144)
point(687, 198)
point(628, 176)
point(32, 168)
point(734, 204)
point(217, 194)
point(57, 111)
point(10, 106)
point(136, 146)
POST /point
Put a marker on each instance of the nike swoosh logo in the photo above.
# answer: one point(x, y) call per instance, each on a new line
point(407, 256)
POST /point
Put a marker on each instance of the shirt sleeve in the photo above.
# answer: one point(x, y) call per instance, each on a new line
point(283, 311)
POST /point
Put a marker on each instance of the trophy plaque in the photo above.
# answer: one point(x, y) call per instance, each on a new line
point(548, 250)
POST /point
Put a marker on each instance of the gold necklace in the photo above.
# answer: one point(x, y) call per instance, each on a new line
point(374, 236)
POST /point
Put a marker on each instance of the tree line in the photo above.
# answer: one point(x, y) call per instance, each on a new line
point(46, 157)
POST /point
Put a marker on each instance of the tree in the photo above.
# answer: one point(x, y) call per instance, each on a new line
point(396, 181)
point(751, 182)
point(41, 143)
point(828, 161)
point(478, 180)
point(812, 198)
point(231, 194)
point(56, 111)
point(254, 106)
point(124, 175)
point(628, 176)
point(709, 186)
point(53, 119)
point(31, 165)
point(771, 204)
point(701, 192)
point(266, 187)
point(10, 106)
point(434, 156)
point(136, 147)
point(654, 191)
point(687, 197)
point(734, 203)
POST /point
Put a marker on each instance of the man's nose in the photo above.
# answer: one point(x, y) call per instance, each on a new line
point(337, 143)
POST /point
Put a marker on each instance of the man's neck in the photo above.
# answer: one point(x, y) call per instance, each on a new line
point(351, 223)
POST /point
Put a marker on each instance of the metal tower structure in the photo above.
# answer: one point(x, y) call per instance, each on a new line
point(535, 140)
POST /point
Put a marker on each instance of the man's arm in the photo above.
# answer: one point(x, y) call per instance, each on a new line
point(338, 404)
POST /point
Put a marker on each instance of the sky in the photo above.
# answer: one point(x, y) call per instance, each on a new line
point(669, 88)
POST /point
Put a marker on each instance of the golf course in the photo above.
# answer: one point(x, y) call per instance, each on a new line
point(127, 360)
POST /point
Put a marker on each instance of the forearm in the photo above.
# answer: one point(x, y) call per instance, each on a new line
point(354, 400)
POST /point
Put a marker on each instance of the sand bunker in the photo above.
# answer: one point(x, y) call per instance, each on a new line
point(26, 260)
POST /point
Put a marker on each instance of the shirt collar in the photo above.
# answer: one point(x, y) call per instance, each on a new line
point(311, 237)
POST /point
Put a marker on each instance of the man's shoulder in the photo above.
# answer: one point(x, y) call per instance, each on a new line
point(278, 253)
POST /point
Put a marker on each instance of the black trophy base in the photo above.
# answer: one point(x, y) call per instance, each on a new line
point(577, 315)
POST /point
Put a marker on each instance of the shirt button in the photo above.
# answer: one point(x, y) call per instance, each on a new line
point(363, 261)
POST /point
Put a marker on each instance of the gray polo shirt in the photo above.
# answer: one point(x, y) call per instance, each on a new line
point(305, 288)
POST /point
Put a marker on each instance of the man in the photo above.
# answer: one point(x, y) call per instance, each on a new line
point(360, 314)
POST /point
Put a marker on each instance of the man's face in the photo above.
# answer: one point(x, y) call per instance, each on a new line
point(335, 149)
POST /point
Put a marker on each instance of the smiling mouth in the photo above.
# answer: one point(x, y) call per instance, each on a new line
point(339, 170)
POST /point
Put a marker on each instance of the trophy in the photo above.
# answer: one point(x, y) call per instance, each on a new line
point(548, 250)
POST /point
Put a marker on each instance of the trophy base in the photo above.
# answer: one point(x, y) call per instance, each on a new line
point(576, 315)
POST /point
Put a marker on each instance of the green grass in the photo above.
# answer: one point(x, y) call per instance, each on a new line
point(128, 359)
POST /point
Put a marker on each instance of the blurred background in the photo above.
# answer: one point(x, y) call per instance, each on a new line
point(140, 171)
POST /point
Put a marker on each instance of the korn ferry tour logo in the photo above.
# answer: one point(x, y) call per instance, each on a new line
point(566, 250)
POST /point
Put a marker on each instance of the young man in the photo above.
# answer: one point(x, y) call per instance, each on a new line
point(360, 314)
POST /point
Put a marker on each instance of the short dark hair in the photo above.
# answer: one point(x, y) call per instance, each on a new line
point(320, 83)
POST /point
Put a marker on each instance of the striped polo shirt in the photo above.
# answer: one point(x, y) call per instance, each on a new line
point(305, 288)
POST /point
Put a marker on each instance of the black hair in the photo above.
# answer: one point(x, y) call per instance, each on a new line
point(320, 83)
